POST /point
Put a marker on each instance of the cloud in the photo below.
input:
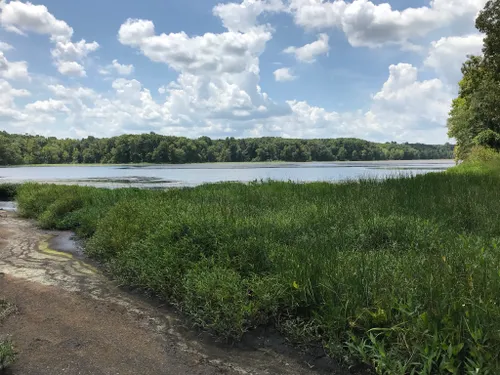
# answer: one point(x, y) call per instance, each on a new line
point(283, 75)
point(13, 70)
point(228, 52)
point(22, 17)
point(50, 105)
point(115, 66)
point(71, 68)
point(162, 90)
point(309, 52)
point(404, 103)
point(121, 69)
point(371, 25)
point(218, 73)
point(5, 47)
point(69, 51)
point(68, 55)
point(8, 107)
point(447, 55)
point(243, 17)
point(72, 92)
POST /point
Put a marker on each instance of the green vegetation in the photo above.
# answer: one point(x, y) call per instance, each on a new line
point(8, 192)
point(154, 148)
point(475, 115)
point(7, 353)
point(402, 274)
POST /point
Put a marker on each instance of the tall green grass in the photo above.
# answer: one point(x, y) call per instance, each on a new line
point(402, 274)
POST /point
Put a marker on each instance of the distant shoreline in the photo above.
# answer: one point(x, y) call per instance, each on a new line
point(279, 163)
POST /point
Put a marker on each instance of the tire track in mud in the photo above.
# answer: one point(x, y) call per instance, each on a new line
point(25, 253)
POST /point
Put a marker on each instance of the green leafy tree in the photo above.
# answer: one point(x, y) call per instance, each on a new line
point(475, 114)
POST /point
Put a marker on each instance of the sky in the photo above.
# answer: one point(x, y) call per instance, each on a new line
point(380, 71)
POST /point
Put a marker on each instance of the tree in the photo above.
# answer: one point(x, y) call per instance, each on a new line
point(9, 152)
point(475, 114)
point(487, 22)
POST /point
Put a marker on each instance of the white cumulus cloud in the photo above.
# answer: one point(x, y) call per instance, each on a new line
point(49, 105)
point(447, 55)
point(283, 75)
point(13, 70)
point(8, 106)
point(228, 52)
point(219, 74)
point(368, 24)
point(243, 16)
point(71, 68)
point(309, 52)
point(116, 67)
point(5, 46)
point(19, 17)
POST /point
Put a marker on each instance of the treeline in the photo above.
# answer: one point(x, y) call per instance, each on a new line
point(153, 148)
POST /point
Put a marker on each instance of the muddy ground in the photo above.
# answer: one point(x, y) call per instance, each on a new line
point(74, 320)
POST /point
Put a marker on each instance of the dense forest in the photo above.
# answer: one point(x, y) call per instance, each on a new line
point(153, 148)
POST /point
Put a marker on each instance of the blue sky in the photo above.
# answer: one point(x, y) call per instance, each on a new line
point(243, 68)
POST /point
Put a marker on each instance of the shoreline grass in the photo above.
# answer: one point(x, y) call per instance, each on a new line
point(402, 274)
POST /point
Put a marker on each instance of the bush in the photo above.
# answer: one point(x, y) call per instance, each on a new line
point(8, 192)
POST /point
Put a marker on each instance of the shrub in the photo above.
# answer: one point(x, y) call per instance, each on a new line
point(8, 192)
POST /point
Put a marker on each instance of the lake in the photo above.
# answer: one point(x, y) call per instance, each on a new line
point(160, 176)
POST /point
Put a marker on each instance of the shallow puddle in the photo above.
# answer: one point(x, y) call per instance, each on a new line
point(8, 206)
point(66, 242)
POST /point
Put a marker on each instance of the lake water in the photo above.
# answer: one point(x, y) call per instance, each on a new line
point(196, 174)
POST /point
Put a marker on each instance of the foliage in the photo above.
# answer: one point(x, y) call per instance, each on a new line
point(8, 192)
point(487, 23)
point(7, 353)
point(488, 138)
point(402, 274)
point(154, 148)
point(475, 114)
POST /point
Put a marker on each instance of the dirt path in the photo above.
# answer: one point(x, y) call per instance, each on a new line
point(74, 320)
